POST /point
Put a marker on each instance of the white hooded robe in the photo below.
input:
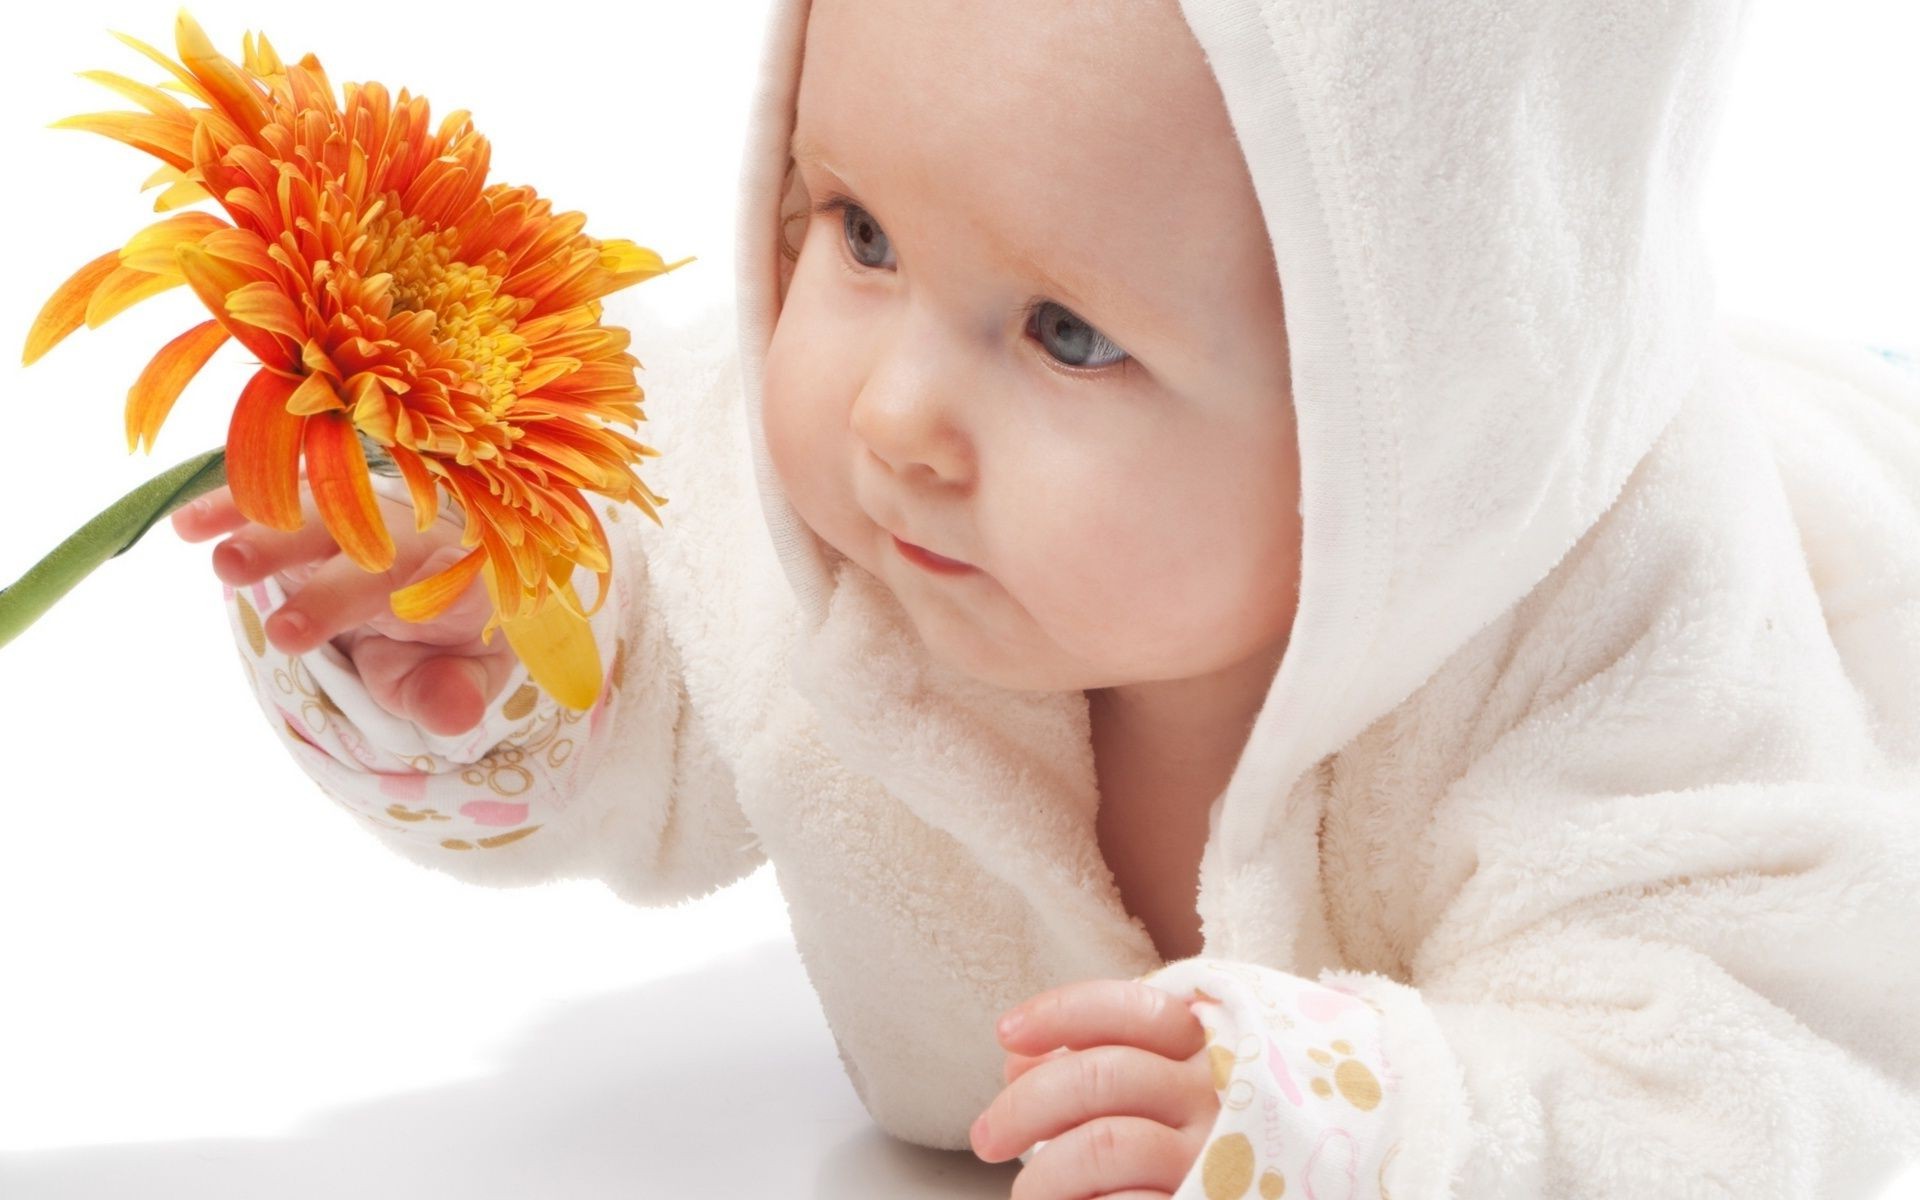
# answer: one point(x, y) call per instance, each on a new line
point(1575, 850)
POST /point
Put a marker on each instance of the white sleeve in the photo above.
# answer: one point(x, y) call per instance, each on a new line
point(1746, 1027)
point(631, 791)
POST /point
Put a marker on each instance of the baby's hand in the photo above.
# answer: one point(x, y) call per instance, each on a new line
point(436, 673)
point(1125, 1101)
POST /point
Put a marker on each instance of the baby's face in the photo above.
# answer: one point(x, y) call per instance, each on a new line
point(1035, 326)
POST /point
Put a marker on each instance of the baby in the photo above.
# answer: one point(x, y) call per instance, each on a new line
point(1451, 734)
point(1030, 372)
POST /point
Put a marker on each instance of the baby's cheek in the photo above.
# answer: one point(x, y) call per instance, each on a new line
point(783, 419)
point(810, 465)
point(780, 448)
point(1165, 591)
point(1096, 583)
point(802, 474)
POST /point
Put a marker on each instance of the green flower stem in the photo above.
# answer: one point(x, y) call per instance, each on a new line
point(108, 535)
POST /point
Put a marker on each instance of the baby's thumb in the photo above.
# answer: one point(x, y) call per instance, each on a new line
point(449, 694)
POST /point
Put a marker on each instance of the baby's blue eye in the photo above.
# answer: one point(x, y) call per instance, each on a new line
point(1063, 335)
point(1074, 342)
point(864, 235)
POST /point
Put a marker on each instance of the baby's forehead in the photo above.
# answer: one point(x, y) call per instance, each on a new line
point(1098, 163)
point(1126, 72)
point(1022, 101)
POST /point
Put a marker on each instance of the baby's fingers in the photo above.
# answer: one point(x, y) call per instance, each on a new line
point(215, 513)
point(1019, 1064)
point(338, 596)
point(210, 516)
point(255, 553)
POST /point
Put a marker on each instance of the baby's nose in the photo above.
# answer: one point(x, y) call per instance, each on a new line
point(911, 433)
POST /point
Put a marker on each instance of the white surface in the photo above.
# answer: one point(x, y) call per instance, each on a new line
point(212, 983)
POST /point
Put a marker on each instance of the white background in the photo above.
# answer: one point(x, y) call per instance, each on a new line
point(209, 976)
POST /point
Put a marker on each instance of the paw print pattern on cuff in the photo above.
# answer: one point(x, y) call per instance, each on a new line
point(1307, 1097)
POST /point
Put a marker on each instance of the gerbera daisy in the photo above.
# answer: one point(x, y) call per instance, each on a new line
point(398, 304)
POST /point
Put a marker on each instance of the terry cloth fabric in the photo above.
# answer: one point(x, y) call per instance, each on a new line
point(1581, 821)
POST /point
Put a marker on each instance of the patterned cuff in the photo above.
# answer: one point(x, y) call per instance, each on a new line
point(1307, 1098)
point(1308, 1102)
point(332, 709)
point(484, 789)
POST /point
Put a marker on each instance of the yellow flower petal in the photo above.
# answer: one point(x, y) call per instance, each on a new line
point(557, 646)
point(619, 254)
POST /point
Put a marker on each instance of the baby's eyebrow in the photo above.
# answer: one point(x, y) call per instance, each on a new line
point(806, 150)
point(1076, 294)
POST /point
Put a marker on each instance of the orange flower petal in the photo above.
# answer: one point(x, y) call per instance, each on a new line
point(343, 492)
point(427, 599)
point(150, 98)
point(263, 453)
point(181, 191)
point(581, 344)
point(264, 306)
point(160, 384)
point(544, 372)
point(570, 465)
point(152, 249)
point(251, 202)
point(315, 395)
point(314, 357)
point(173, 68)
point(244, 249)
point(426, 498)
point(219, 76)
point(435, 195)
point(66, 309)
point(598, 555)
point(167, 140)
point(373, 412)
point(212, 279)
point(122, 289)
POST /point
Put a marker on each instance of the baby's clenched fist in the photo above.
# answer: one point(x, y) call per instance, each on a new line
point(437, 674)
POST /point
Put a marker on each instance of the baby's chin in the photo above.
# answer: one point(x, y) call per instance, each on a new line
point(955, 630)
point(1019, 661)
point(1013, 672)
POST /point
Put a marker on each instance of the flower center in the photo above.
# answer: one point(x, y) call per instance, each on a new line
point(471, 311)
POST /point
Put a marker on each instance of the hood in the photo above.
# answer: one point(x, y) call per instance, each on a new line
point(1483, 215)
